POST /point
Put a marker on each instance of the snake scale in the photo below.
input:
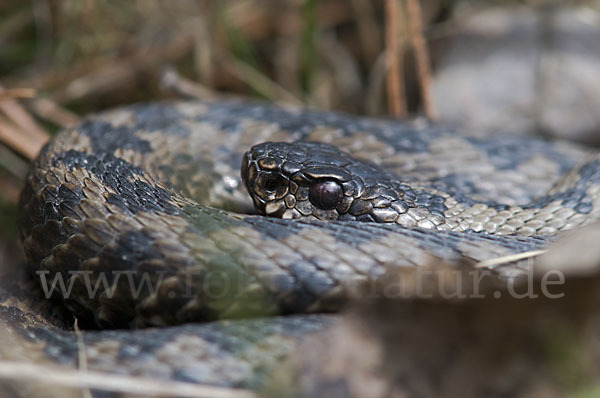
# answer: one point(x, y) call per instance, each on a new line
point(146, 205)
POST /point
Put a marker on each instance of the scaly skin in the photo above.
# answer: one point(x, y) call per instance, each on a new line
point(146, 203)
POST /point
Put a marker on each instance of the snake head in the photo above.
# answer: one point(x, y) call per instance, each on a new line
point(317, 180)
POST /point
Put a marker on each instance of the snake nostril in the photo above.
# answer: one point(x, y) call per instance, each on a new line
point(271, 184)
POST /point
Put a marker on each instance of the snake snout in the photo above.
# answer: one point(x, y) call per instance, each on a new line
point(265, 181)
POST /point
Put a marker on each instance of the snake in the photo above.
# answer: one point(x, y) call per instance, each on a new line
point(221, 231)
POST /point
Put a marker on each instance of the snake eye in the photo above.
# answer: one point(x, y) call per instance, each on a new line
point(325, 194)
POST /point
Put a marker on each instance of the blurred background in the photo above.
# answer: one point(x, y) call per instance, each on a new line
point(521, 67)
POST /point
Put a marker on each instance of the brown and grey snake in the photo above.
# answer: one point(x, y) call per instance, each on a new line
point(146, 206)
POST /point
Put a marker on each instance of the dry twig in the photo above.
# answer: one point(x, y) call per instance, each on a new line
point(19, 140)
point(422, 55)
point(259, 82)
point(49, 110)
point(13, 163)
point(23, 120)
point(509, 259)
point(395, 82)
point(16, 93)
point(173, 81)
point(82, 357)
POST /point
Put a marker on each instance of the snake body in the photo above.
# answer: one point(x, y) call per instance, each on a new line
point(146, 204)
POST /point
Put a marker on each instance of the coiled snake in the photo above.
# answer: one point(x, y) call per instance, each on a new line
point(146, 205)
